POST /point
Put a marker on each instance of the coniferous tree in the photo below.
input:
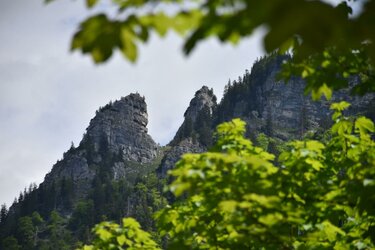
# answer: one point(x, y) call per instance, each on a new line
point(59, 236)
point(26, 232)
point(3, 213)
point(38, 224)
point(10, 243)
point(227, 87)
point(83, 218)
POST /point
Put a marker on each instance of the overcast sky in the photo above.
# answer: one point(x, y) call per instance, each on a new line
point(48, 95)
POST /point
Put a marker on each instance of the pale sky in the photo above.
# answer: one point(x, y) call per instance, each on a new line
point(48, 95)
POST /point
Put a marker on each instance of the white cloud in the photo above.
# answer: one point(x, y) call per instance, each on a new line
point(48, 95)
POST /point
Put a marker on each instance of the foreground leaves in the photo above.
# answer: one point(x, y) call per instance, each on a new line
point(320, 24)
point(129, 235)
point(329, 46)
point(320, 197)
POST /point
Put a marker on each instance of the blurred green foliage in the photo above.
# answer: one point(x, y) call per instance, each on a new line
point(321, 196)
point(109, 235)
point(328, 44)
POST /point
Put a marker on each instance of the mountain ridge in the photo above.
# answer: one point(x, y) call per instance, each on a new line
point(119, 170)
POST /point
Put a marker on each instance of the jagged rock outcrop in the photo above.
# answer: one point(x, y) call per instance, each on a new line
point(120, 127)
point(204, 97)
point(195, 131)
point(202, 106)
point(116, 141)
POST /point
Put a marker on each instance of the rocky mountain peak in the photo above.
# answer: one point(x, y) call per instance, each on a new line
point(121, 128)
point(116, 142)
point(201, 109)
point(195, 132)
point(204, 97)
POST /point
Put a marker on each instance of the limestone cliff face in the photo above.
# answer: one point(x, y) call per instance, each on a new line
point(188, 138)
point(281, 109)
point(73, 167)
point(116, 142)
point(204, 98)
point(121, 128)
point(203, 104)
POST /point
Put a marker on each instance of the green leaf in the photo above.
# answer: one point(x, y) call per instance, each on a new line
point(331, 231)
point(129, 49)
point(340, 106)
point(315, 145)
point(322, 90)
point(121, 239)
point(103, 234)
point(368, 182)
point(298, 198)
point(271, 219)
point(130, 222)
point(183, 21)
point(288, 44)
point(179, 188)
point(326, 63)
point(98, 36)
point(342, 127)
point(333, 194)
point(263, 200)
point(234, 38)
point(228, 206)
point(317, 165)
point(162, 23)
point(364, 125)
point(305, 74)
point(91, 3)
point(360, 245)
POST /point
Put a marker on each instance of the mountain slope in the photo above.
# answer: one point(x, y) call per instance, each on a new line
point(118, 170)
point(104, 177)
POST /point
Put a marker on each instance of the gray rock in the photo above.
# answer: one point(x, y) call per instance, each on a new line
point(116, 139)
point(72, 167)
point(174, 154)
point(281, 109)
point(183, 142)
point(203, 97)
point(121, 128)
point(274, 107)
